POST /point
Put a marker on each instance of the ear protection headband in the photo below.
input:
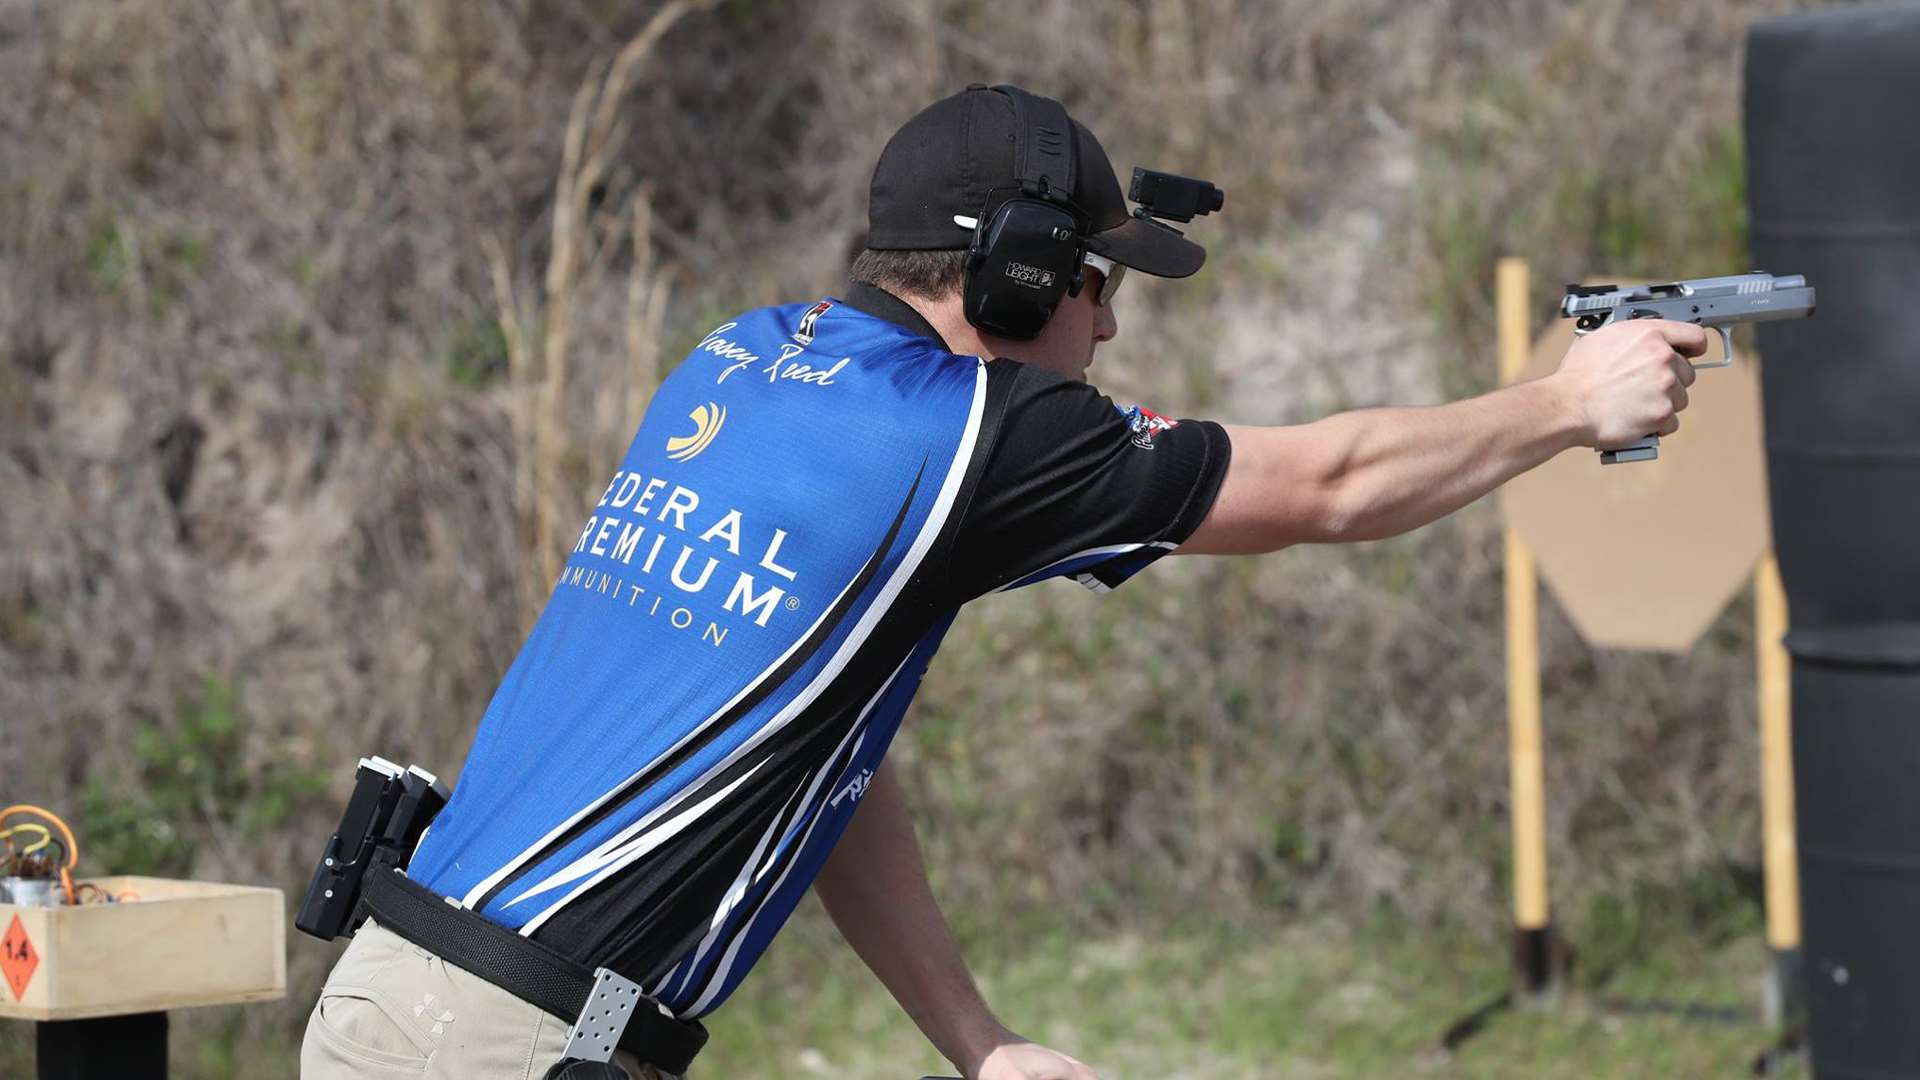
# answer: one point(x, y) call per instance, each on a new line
point(1027, 246)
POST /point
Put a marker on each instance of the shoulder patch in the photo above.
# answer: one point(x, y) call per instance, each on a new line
point(1144, 424)
point(804, 335)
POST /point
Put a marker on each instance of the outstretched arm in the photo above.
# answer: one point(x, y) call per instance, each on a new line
point(874, 886)
point(1374, 473)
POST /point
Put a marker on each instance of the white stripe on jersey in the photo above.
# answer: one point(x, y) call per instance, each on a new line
point(739, 887)
point(1110, 549)
point(614, 847)
point(616, 853)
point(929, 531)
point(658, 988)
point(486, 884)
point(751, 866)
point(747, 878)
point(718, 978)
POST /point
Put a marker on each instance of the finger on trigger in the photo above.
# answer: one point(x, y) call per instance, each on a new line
point(1688, 339)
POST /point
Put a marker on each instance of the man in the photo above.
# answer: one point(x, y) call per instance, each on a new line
point(681, 746)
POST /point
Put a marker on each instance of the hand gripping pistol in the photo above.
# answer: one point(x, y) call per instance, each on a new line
point(1716, 303)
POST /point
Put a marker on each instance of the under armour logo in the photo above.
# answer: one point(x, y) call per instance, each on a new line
point(425, 1011)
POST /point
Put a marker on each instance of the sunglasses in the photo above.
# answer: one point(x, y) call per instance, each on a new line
point(1111, 274)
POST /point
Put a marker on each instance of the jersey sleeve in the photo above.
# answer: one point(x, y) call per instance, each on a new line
point(1073, 485)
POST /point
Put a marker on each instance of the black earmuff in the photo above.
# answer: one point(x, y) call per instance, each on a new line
point(1027, 246)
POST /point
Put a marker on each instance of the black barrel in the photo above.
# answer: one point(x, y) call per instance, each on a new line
point(1833, 164)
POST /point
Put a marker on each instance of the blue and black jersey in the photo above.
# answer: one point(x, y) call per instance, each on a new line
point(748, 610)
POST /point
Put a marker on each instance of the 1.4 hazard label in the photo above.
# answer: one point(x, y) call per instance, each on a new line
point(18, 958)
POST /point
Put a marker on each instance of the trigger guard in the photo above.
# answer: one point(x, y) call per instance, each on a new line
point(1726, 342)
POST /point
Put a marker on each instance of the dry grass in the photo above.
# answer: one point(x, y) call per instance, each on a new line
point(320, 323)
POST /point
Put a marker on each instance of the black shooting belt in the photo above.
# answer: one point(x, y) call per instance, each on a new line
point(519, 965)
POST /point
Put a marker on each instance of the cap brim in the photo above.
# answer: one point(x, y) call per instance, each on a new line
point(1149, 247)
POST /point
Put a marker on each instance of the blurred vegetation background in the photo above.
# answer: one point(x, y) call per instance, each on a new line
point(309, 315)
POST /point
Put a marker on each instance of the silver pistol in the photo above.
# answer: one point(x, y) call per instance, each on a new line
point(1716, 303)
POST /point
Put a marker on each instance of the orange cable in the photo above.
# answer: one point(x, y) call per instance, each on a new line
point(73, 846)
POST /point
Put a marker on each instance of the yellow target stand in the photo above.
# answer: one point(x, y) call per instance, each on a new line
point(1583, 527)
point(1539, 957)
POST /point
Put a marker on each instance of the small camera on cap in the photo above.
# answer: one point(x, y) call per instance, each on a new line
point(1176, 198)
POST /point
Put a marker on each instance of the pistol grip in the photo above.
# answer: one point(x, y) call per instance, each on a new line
point(1645, 450)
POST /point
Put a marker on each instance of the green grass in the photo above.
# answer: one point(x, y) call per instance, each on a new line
point(1312, 1000)
point(476, 357)
point(191, 781)
point(1309, 1001)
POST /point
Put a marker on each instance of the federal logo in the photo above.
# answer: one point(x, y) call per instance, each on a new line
point(706, 424)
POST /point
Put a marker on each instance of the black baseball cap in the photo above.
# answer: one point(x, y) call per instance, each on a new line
point(959, 152)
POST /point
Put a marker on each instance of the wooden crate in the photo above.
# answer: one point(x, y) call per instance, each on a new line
point(181, 944)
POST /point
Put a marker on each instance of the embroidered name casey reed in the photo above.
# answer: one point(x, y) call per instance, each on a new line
point(781, 367)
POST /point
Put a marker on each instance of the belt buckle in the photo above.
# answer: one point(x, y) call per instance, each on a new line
point(596, 1033)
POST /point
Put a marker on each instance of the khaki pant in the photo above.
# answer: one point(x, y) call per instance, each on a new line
point(391, 1009)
